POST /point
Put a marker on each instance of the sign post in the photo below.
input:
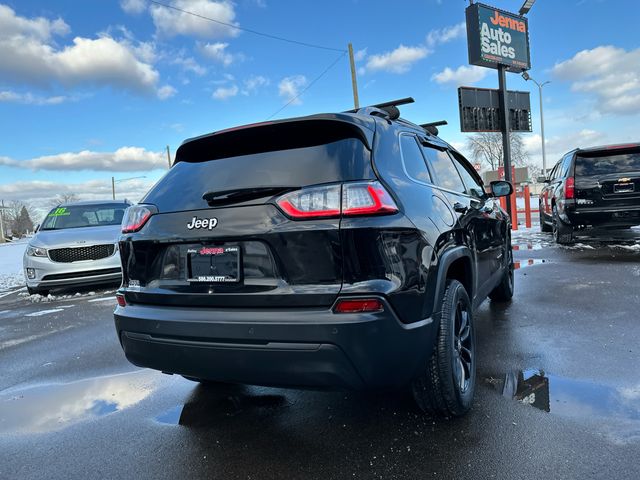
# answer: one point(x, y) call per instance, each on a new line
point(499, 39)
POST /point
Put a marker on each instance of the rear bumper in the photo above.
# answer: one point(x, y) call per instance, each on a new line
point(603, 216)
point(292, 348)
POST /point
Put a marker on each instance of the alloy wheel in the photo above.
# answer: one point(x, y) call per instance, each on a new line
point(463, 348)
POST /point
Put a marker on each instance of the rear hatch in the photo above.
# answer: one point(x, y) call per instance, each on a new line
point(608, 178)
point(218, 238)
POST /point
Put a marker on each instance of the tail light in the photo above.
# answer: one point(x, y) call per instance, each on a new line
point(120, 299)
point(366, 199)
point(570, 188)
point(313, 202)
point(136, 216)
point(359, 305)
point(349, 199)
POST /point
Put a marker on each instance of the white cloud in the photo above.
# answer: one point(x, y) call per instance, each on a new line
point(399, 60)
point(29, 55)
point(610, 74)
point(170, 22)
point(360, 55)
point(124, 159)
point(253, 83)
point(31, 99)
point(41, 28)
point(133, 6)
point(189, 64)
point(289, 88)
point(447, 34)
point(218, 53)
point(166, 91)
point(462, 75)
point(222, 93)
point(558, 145)
point(42, 191)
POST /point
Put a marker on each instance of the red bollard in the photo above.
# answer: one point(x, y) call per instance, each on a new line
point(503, 203)
point(527, 206)
point(514, 211)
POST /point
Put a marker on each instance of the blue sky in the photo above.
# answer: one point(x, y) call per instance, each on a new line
point(90, 90)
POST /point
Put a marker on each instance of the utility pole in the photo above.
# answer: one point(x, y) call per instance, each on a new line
point(504, 120)
point(544, 150)
point(354, 81)
point(169, 156)
point(113, 187)
point(1, 224)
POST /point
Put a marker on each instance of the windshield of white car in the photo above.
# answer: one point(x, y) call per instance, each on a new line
point(78, 216)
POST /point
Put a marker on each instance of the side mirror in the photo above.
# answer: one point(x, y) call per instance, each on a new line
point(500, 188)
point(542, 179)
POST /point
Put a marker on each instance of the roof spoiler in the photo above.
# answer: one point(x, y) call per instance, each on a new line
point(390, 108)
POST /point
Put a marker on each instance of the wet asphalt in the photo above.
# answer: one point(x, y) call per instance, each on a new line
point(558, 394)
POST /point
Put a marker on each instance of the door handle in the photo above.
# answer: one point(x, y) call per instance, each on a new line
point(460, 208)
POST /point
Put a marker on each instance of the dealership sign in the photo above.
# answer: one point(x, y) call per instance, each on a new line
point(496, 37)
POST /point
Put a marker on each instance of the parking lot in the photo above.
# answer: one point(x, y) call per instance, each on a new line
point(71, 406)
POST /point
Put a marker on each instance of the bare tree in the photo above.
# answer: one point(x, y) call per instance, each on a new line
point(66, 197)
point(486, 148)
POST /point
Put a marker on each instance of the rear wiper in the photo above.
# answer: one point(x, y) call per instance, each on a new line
point(227, 197)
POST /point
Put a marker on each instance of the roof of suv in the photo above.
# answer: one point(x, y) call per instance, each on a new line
point(362, 120)
point(621, 146)
point(95, 202)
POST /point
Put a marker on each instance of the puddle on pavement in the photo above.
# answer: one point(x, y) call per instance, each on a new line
point(518, 264)
point(46, 408)
point(526, 246)
point(573, 398)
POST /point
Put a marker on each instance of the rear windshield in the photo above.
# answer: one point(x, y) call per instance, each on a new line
point(605, 163)
point(183, 186)
point(84, 216)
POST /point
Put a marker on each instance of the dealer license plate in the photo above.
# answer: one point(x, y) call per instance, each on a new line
point(214, 264)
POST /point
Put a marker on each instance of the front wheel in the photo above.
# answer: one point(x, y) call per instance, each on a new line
point(504, 290)
point(544, 226)
point(446, 386)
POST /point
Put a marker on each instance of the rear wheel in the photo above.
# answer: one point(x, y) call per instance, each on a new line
point(562, 233)
point(447, 385)
point(504, 291)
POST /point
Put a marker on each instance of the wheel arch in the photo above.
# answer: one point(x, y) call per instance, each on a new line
point(455, 263)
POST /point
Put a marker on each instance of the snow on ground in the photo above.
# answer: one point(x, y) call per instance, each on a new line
point(37, 298)
point(534, 239)
point(11, 274)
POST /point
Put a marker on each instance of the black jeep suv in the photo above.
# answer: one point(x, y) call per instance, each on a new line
point(592, 187)
point(342, 250)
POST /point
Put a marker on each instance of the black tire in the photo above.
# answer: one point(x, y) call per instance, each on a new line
point(562, 233)
point(544, 226)
point(447, 385)
point(37, 291)
point(504, 291)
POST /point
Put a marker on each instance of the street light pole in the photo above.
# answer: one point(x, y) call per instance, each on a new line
point(527, 77)
point(114, 181)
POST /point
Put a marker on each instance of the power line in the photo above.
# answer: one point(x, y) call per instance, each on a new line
point(308, 86)
point(249, 30)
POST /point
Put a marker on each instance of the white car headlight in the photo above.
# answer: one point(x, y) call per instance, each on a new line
point(36, 251)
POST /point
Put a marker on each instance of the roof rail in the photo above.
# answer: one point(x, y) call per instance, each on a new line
point(432, 127)
point(391, 108)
